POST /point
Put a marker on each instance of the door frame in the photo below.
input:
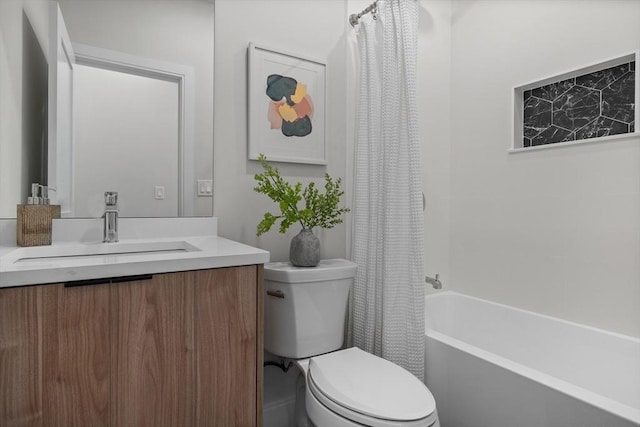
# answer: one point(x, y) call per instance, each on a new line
point(61, 56)
point(182, 75)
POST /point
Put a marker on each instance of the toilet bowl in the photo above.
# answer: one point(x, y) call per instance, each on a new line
point(354, 388)
point(304, 321)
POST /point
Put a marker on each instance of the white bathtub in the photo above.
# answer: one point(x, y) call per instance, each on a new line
point(491, 365)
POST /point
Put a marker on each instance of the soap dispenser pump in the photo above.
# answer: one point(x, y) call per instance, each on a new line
point(35, 198)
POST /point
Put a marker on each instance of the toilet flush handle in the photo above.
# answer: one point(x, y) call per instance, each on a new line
point(277, 294)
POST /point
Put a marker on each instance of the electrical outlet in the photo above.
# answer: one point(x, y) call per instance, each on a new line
point(205, 188)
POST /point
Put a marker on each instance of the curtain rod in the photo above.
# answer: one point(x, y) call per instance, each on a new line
point(354, 18)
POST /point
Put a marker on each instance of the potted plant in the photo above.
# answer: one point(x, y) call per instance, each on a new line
point(316, 210)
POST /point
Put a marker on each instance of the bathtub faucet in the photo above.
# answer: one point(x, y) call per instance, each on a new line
point(437, 284)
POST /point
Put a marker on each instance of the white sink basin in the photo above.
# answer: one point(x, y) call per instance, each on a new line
point(41, 254)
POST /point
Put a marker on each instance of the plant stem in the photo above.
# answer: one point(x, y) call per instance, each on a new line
point(294, 208)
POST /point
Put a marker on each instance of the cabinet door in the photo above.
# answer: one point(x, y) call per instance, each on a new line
point(75, 352)
point(20, 363)
point(152, 363)
point(226, 331)
point(180, 349)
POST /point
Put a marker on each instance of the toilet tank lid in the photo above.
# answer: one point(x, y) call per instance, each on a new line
point(328, 269)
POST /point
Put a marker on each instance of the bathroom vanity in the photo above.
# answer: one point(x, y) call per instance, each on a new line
point(147, 338)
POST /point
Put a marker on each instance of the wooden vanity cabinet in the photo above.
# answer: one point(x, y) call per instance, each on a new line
point(178, 349)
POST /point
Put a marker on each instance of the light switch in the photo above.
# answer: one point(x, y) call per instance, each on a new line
point(205, 188)
point(159, 192)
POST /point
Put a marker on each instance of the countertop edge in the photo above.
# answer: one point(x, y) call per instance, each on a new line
point(233, 255)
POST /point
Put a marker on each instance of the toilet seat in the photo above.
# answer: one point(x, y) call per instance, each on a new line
point(369, 390)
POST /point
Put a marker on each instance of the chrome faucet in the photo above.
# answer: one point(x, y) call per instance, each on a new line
point(437, 284)
point(110, 230)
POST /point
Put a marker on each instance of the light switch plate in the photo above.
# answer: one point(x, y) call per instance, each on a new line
point(205, 188)
point(159, 192)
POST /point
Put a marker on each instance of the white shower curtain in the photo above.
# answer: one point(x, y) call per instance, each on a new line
point(387, 302)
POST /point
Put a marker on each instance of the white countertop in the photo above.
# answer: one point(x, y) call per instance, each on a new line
point(82, 260)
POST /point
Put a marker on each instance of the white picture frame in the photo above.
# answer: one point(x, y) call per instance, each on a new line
point(286, 106)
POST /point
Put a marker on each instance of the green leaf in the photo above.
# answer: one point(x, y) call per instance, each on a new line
point(266, 223)
point(320, 210)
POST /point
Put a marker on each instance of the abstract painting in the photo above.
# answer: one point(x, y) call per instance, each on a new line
point(291, 107)
point(286, 112)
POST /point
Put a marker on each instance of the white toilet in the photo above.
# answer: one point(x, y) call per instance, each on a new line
point(305, 311)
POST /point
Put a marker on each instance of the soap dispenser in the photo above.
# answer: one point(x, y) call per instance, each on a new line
point(35, 219)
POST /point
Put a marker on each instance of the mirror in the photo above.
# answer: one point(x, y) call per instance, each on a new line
point(134, 112)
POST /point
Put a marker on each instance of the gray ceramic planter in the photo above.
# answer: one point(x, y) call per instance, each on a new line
point(305, 249)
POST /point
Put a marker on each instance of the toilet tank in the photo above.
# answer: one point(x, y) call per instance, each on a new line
point(305, 307)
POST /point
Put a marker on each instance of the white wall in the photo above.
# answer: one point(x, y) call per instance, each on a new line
point(35, 85)
point(556, 231)
point(434, 109)
point(144, 142)
point(14, 166)
point(309, 27)
point(10, 106)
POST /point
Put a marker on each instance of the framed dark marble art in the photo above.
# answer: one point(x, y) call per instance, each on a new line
point(592, 103)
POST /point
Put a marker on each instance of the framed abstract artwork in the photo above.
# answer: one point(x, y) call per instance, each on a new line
point(286, 107)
